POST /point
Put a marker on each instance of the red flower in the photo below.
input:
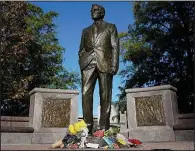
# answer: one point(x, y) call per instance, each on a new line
point(135, 141)
point(99, 133)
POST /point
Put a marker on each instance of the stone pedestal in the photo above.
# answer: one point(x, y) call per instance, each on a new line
point(152, 112)
point(50, 113)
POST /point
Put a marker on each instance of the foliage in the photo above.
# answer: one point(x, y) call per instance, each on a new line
point(31, 55)
point(65, 80)
point(14, 43)
point(158, 49)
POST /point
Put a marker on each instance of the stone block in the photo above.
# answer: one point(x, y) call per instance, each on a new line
point(16, 138)
point(19, 124)
point(186, 118)
point(165, 135)
point(144, 136)
point(52, 109)
point(17, 130)
point(14, 121)
point(47, 138)
point(152, 113)
point(184, 135)
point(5, 124)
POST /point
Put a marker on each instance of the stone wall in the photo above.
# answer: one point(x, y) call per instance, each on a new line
point(14, 121)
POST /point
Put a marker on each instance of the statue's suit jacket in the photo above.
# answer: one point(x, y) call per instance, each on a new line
point(105, 47)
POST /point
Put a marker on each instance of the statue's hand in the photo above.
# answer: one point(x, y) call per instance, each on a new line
point(114, 70)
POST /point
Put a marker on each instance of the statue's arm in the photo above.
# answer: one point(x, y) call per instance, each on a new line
point(115, 49)
point(81, 48)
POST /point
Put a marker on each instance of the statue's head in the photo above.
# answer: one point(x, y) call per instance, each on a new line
point(97, 12)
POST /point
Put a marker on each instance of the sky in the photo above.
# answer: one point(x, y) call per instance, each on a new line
point(73, 18)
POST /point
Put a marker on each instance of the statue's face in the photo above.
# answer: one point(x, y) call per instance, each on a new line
point(96, 13)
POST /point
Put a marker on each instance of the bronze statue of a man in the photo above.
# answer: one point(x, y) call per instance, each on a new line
point(98, 59)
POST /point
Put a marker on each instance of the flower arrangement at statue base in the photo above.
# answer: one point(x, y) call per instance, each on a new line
point(78, 137)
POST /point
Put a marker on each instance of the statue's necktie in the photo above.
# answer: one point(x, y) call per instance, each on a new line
point(95, 31)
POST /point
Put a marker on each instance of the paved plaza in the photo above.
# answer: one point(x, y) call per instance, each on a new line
point(145, 146)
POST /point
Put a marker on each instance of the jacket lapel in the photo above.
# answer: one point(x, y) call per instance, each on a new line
point(101, 31)
point(92, 34)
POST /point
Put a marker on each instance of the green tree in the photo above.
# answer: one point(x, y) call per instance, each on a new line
point(32, 57)
point(158, 49)
point(14, 41)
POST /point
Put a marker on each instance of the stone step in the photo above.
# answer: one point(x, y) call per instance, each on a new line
point(43, 138)
point(17, 129)
point(186, 118)
point(184, 132)
point(183, 145)
point(14, 121)
point(25, 135)
point(31, 138)
point(184, 135)
point(190, 126)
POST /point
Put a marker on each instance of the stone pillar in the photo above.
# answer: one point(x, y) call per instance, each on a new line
point(152, 112)
point(123, 124)
point(98, 112)
point(51, 111)
point(114, 115)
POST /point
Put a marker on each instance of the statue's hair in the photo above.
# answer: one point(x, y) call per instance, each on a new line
point(102, 9)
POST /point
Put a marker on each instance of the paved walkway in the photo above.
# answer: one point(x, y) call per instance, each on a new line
point(145, 146)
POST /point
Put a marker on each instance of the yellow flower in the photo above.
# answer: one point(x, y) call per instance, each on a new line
point(82, 123)
point(71, 129)
point(77, 127)
point(121, 141)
